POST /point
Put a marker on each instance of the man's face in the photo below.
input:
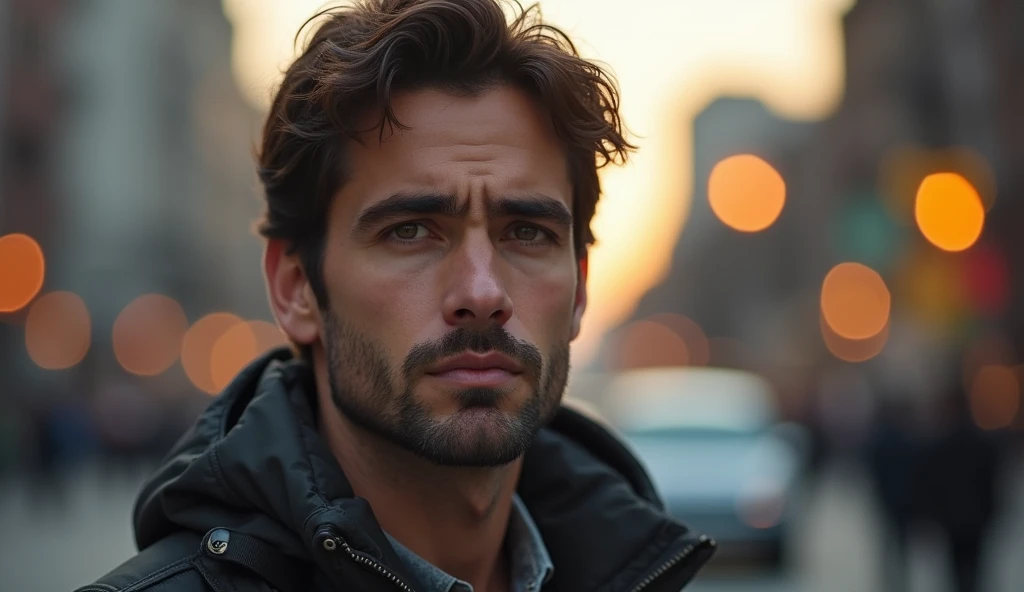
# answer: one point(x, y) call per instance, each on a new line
point(453, 286)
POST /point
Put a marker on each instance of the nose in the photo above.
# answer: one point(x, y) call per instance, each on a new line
point(476, 296)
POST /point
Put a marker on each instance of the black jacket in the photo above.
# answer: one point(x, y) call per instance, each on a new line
point(251, 498)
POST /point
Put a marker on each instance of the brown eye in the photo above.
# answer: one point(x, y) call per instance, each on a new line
point(408, 231)
point(526, 233)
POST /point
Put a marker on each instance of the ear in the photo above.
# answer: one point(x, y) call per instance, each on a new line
point(580, 302)
point(291, 297)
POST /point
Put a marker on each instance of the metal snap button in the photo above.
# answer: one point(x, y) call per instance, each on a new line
point(218, 541)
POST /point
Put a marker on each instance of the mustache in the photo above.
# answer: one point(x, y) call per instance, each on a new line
point(495, 338)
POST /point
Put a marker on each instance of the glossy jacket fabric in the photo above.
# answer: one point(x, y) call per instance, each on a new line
point(250, 498)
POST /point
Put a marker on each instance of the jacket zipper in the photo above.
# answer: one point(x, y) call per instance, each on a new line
point(363, 559)
point(672, 562)
point(394, 579)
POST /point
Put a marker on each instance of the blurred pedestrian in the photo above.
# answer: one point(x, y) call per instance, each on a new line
point(958, 489)
point(893, 454)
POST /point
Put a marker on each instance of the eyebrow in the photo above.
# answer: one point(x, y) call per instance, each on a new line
point(405, 203)
point(535, 206)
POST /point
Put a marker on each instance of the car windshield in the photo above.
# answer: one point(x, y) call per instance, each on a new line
point(682, 403)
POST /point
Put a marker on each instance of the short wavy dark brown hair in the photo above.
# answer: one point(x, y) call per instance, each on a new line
point(359, 56)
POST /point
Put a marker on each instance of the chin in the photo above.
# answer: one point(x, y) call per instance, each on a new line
point(482, 417)
point(479, 437)
point(477, 423)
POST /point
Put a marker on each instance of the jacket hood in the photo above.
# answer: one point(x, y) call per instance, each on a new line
point(253, 462)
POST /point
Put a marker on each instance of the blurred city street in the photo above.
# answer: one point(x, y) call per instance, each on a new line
point(805, 302)
point(51, 544)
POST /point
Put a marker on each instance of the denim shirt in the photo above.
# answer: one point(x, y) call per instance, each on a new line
point(530, 564)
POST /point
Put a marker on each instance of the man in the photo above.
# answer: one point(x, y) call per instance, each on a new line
point(430, 173)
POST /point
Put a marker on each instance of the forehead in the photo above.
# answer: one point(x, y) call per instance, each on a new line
point(499, 141)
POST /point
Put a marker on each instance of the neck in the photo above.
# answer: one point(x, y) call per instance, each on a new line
point(453, 517)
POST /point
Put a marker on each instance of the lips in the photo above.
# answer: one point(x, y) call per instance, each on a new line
point(477, 370)
point(478, 362)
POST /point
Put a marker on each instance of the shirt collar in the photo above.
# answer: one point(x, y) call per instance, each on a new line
point(530, 564)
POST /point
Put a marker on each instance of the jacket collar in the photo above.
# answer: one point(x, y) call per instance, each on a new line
point(254, 462)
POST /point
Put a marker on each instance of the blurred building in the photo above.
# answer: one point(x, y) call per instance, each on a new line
point(733, 284)
point(128, 156)
point(927, 75)
point(933, 75)
point(156, 160)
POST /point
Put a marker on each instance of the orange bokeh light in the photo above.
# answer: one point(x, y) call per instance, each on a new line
point(746, 193)
point(949, 212)
point(22, 267)
point(240, 345)
point(853, 350)
point(646, 344)
point(58, 330)
point(197, 348)
point(855, 301)
point(903, 168)
point(148, 333)
point(995, 397)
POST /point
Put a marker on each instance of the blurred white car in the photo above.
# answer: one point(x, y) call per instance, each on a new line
point(712, 442)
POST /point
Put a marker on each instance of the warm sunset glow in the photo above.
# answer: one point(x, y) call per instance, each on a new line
point(148, 333)
point(197, 348)
point(697, 348)
point(995, 397)
point(644, 344)
point(853, 350)
point(22, 269)
point(58, 330)
point(787, 53)
point(746, 193)
point(240, 345)
point(855, 301)
point(949, 212)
